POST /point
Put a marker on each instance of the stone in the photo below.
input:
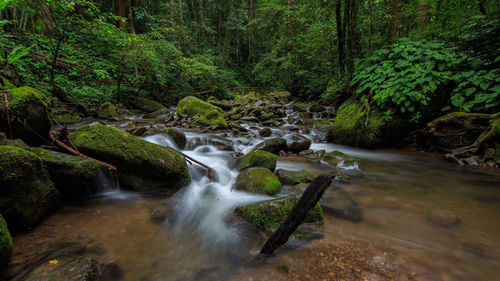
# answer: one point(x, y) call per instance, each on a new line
point(274, 145)
point(211, 118)
point(157, 113)
point(194, 143)
point(258, 180)
point(192, 106)
point(5, 245)
point(316, 108)
point(221, 143)
point(337, 203)
point(178, 137)
point(265, 132)
point(294, 177)
point(300, 107)
point(257, 159)
point(141, 165)
point(139, 131)
point(64, 268)
point(443, 218)
point(335, 157)
point(107, 111)
point(147, 105)
point(299, 143)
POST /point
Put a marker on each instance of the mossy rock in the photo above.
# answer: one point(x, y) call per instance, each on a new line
point(274, 145)
point(235, 116)
point(75, 177)
point(141, 165)
point(247, 98)
point(65, 268)
point(209, 119)
point(267, 116)
point(107, 111)
point(5, 245)
point(260, 158)
point(265, 132)
point(66, 118)
point(30, 109)
point(299, 143)
point(221, 143)
point(294, 177)
point(192, 106)
point(13, 142)
point(178, 137)
point(147, 105)
point(269, 215)
point(359, 126)
point(300, 107)
point(258, 180)
point(27, 194)
point(335, 157)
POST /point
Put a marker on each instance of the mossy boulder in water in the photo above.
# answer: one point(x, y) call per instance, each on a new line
point(107, 111)
point(274, 145)
point(30, 109)
point(299, 143)
point(5, 245)
point(335, 157)
point(294, 177)
point(178, 137)
point(147, 105)
point(64, 268)
point(27, 194)
point(75, 177)
point(257, 159)
point(192, 106)
point(258, 180)
point(211, 118)
point(269, 215)
point(141, 165)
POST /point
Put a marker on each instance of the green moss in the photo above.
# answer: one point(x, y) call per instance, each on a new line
point(235, 116)
point(267, 116)
point(294, 177)
point(258, 180)
point(157, 166)
point(178, 137)
point(257, 159)
point(5, 245)
point(25, 95)
point(192, 106)
point(301, 107)
point(66, 118)
point(147, 105)
point(247, 98)
point(211, 118)
point(107, 111)
point(269, 215)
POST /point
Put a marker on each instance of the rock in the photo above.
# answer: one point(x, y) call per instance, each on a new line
point(141, 165)
point(65, 118)
point(274, 145)
point(266, 116)
point(27, 194)
point(64, 268)
point(157, 113)
point(258, 180)
point(178, 137)
point(249, 119)
point(272, 123)
point(337, 203)
point(107, 111)
point(222, 104)
point(305, 115)
point(211, 118)
point(5, 245)
point(147, 105)
point(235, 116)
point(74, 177)
point(30, 109)
point(221, 143)
point(14, 142)
point(194, 143)
point(443, 218)
point(139, 131)
point(165, 118)
point(192, 106)
point(299, 143)
point(265, 132)
point(269, 215)
point(294, 177)
point(300, 107)
point(316, 108)
point(335, 157)
point(262, 159)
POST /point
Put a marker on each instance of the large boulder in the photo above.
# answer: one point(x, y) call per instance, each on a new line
point(107, 111)
point(211, 118)
point(258, 158)
point(64, 268)
point(274, 145)
point(30, 109)
point(294, 177)
point(5, 245)
point(141, 165)
point(27, 194)
point(147, 105)
point(258, 180)
point(269, 215)
point(75, 177)
point(192, 106)
point(299, 143)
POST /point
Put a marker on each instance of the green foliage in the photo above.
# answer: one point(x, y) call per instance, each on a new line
point(477, 90)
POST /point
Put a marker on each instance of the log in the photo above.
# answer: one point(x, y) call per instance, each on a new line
point(298, 214)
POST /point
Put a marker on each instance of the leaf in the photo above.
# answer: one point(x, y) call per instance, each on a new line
point(470, 91)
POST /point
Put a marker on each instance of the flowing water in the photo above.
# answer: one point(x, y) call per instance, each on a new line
point(200, 239)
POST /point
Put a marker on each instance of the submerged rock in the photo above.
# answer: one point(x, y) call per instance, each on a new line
point(258, 180)
point(107, 111)
point(274, 145)
point(178, 137)
point(147, 105)
point(64, 268)
point(269, 215)
point(141, 165)
point(262, 159)
point(335, 157)
point(5, 245)
point(27, 194)
point(194, 143)
point(75, 177)
point(337, 203)
point(294, 177)
point(299, 143)
point(443, 218)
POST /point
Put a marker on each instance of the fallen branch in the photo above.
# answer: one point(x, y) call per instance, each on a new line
point(210, 173)
point(298, 214)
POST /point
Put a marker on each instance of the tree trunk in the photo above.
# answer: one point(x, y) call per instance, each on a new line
point(370, 36)
point(250, 32)
point(352, 44)
point(394, 21)
point(341, 38)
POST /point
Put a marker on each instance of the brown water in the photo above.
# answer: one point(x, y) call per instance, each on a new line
point(395, 241)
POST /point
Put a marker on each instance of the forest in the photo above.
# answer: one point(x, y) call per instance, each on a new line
point(249, 140)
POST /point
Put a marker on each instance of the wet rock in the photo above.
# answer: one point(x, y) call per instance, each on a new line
point(316, 108)
point(110, 272)
point(194, 143)
point(137, 131)
point(178, 137)
point(257, 159)
point(165, 118)
point(294, 177)
point(30, 109)
point(157, 113)
point(13, 142)
point(210, 119)
point(249, 119)
point(192, 106)
point(305, 115)
point(221, 143)
point(64, 268)
point(443, 218)
point(269, 215)
point(300, 107)
point(141, 165)
point(5, 245)
point(147, 105)
point(265, 132)
point(238, 127)
point(271, 123)
point(267, 116)
point(274, 145)
point(298, 143)
point(222, 104)
point(27, 194)
point(233, 159)
point(258, 180)
point(235, 116)
point(65, 118)
point(74, 177)
point(335, 157)
point(337, 203)
point(107, 111)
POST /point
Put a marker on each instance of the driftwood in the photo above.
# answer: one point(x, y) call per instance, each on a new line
point(210, 172)
point(298, 214)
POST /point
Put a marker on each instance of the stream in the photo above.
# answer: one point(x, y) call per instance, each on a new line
point(201, 240)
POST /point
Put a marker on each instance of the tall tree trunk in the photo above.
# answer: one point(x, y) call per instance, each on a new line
point(481, 7)
point(394, 21)
point(352, 44)
point(180, 12)
point(340, 37)
point(131, 16)
point(250, 32)
point(370, 36)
